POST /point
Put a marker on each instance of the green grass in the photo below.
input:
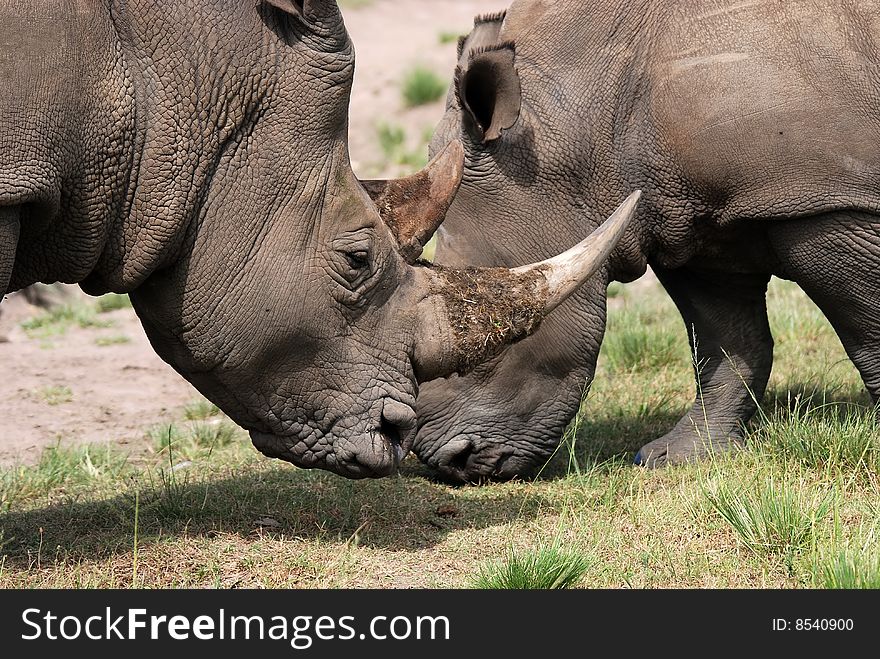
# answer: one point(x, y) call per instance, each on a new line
point(615, 290)
point(832, 437)
point(191, 440)
point(546, 568)
point(422, 86)
point(391, 139)
point(637, 341)
point(447, 37)
point(849, 570)
point(112, 302)
point(57, 321)
point(393, 144)
point(772, 516)
point(200, 409)
point(400, 156)
point(59, 468)
point(112, 340)
point(55, 395)
point(191, 504)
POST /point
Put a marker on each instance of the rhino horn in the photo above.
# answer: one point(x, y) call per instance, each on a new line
point(484, 310)
point(414, 207)
point(565, 273)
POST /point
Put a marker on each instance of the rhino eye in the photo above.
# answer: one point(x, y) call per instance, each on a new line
point(357, 260)
point(354, 262)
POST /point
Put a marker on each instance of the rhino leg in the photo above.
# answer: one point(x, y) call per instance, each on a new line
point(9, 230)
point(835, 260)
point(726, 319)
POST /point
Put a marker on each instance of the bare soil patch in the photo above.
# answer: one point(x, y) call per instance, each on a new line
point(87, 385)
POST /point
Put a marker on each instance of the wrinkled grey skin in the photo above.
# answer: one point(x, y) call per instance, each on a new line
point(193, 153)
point(751, 127)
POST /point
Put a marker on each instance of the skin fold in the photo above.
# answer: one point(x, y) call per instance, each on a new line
point(193, 153)
point(751, 128)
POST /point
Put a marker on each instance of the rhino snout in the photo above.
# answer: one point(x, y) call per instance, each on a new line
point(464, 460)
point(381, 450)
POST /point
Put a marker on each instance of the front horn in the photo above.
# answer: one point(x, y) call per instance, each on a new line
point(565, 273)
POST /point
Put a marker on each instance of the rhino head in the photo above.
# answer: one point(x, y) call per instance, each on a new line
point(198, 160)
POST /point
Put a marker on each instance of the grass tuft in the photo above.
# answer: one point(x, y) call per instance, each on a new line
point(55, 395)
point(770, 517)
point(58, 320)
point(848, 571)
point(422, 86)
point(171, 500)
point(213, 434)
point(547, 568)
point(393, 144)
point(112, 302)
point(447, 37)
point(832, 437)
point(195, 440)
point(112, 340)
point(200, 409)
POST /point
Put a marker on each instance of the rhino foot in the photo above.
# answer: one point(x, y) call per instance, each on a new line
point(678, 447)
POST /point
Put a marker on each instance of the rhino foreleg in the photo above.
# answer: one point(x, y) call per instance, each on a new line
point(9, 230)
point(726, 319)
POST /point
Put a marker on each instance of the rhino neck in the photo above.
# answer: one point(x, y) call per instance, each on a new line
point(66, 143)
point(192, 108)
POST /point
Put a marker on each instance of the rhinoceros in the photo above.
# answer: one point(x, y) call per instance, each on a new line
point(750, 126)
point(193, 153)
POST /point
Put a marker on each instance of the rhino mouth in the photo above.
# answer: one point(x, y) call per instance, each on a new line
point(463, 459)
point(373, 453)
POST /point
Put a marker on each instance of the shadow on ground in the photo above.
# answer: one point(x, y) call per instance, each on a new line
point(406, 513)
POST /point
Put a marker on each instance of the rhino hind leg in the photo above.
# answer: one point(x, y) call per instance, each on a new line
point(835, 260)
point(726, 319)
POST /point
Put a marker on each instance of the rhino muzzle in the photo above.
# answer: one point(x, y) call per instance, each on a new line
point(374, 452)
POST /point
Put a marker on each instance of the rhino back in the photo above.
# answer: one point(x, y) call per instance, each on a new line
point(66, 119)
point(769, 109)
point(721, 110)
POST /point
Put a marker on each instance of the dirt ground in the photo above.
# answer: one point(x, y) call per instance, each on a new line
point(70, 389)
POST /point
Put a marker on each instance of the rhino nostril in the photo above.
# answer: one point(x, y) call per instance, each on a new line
point(459, 460)
point(390, 431)
point(397, 424)
point(452, 458)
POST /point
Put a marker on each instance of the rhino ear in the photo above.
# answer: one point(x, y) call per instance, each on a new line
point(489, 92)
point(486, 32)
